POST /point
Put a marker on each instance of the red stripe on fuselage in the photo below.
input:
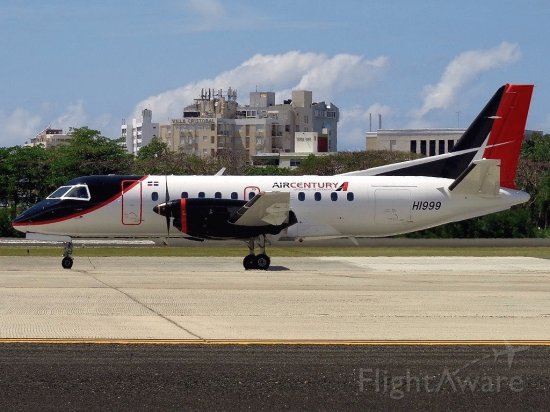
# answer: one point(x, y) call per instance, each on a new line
point(183, 215)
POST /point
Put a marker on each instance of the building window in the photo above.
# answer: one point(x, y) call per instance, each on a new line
point(413, 146)
point(184, 195)
point(441, 146)
point(350, 196)
point(334, 196)
point(234, 195)
point(212, 139)
point(432, 147)
point(201, 194)
point(218, 195)
point(317, 196)
point(450, 145)
point(301, 196)
point(423, 147)
point(154, 196)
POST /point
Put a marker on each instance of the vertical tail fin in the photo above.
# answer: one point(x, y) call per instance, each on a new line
point(508, 131)
point(496, 133)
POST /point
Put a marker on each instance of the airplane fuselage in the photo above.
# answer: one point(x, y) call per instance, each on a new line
point(335, 206)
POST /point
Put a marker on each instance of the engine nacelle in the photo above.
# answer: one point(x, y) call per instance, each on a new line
point(209, 219)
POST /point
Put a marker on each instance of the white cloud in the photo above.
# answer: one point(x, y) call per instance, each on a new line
point(209, 14)
point(354, 123)
point(18, 126)
point(461, 70)
point(326, 76)
point(74, 116)
point(21, 125)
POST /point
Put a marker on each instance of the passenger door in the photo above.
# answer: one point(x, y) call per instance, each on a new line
point(131, 202)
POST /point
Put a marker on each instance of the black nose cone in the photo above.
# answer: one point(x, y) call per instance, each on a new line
point(41, 212)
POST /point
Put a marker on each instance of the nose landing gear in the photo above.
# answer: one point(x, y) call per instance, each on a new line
point(67, 261)
point(253, 261)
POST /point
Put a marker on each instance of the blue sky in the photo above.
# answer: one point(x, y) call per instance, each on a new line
point(76, 63)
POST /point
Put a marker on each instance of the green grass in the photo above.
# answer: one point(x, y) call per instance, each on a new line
point(277, 251)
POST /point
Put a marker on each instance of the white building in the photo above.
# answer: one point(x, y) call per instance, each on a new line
point(217, 124)
point(428, 142)
point(51, 138)
point(140, 133)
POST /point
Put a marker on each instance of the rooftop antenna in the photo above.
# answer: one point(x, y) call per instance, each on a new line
point(370, 122)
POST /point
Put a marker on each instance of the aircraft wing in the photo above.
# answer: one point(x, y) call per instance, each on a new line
point(266, 208)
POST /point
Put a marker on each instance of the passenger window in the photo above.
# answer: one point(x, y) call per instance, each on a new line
point(251, 195)
point(184, 195)
point(218, 195)
point(317, 196)
point(201, 194)
point(234, 195)
point(350, 196)
point(301, 196)
point(334, 196)
point(154, 196)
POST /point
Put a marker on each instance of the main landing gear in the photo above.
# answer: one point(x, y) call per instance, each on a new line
point(67, 261)
point(253, 261)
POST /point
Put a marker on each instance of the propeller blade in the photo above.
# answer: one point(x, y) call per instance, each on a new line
point(166, 200)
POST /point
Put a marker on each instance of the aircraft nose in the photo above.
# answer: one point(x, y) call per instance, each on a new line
point(24, 217)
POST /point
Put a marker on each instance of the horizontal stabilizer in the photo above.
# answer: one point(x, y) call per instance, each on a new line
point(270, 208)
point(482, 177)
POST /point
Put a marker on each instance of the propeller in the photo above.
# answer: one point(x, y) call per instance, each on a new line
point(166, 200)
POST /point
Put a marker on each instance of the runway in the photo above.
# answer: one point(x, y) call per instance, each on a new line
point(309, 334)
point(299, 299)
point(273, 377)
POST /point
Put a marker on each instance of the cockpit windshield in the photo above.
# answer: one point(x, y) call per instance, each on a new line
point(75, 192)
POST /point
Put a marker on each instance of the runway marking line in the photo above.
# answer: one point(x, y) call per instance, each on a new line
point(289, 342)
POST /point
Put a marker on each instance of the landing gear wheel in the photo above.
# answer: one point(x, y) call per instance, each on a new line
point(249, 262)
point(262, 261)
point(67, 262)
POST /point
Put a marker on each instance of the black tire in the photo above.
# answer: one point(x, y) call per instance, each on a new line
point(262, 261)
point(249, 262)
point(67, 262)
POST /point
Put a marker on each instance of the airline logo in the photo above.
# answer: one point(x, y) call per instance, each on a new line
point(312, 185)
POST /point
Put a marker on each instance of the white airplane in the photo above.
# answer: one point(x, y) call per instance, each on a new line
point(474, 179)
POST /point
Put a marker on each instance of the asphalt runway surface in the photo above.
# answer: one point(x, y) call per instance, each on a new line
point(273, 377)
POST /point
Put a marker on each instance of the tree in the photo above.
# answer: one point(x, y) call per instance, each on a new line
point(534, 177)
point(152, 151)
point(89, 153)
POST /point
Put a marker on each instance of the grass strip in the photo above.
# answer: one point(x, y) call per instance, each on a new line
point(278, 251)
